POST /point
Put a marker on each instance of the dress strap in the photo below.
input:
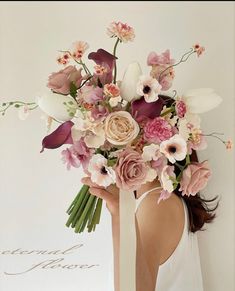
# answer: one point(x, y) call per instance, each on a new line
point(138, 201)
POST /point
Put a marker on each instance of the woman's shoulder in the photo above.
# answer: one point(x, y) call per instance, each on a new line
point(161, 225)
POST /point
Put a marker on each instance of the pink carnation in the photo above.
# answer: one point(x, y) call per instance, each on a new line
point(180, 108)
point(121, 30)
point(194, 178)
point(157, 130)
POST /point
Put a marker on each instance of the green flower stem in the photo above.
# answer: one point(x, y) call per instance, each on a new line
point(88, 215)
point(92, 211)
point(96, 218)
point(84, 213)
point(115, 67)
point(171, 109)
point(76, 204)
point(81, 209)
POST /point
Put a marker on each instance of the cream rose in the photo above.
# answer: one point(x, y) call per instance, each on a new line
point(121, 128)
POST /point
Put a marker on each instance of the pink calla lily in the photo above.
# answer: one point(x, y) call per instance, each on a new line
point(62, 135)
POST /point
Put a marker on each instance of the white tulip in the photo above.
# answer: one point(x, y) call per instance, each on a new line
point(53, 105)
point(201, 100)
point(129, 82)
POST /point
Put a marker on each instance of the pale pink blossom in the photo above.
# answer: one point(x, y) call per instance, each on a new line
point(159, 163)
point(78, 49)
point(63, 59)
point(194, 178)
point(157, 130)
point(149, 88)
point(175, 148)
point(167, 177)
point(101, 70)
point(78, 154)
point(197, 141)
point(229, 145)
point(99, 171)
point(111, 90)
point(121, 30)
point(162, 59)
point(164, 195)
point(198, 49)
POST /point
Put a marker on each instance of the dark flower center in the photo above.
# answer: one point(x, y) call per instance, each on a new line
point(146, 89)
point(172, 149)
point(103, 170)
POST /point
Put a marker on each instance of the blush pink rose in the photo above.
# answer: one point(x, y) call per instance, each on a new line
point(60, 81)
point(130, 170)
point(194, 178)
point(158, 129)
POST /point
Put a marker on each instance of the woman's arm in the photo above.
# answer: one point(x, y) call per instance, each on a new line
point(146, 259)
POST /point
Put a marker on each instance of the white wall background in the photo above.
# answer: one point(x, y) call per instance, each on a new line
point(35, 189)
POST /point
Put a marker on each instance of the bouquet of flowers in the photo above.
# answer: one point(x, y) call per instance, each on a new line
point(125, 132)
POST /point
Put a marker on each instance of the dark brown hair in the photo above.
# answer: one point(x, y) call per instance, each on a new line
point(199, 209)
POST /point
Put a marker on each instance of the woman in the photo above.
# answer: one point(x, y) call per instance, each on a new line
point(167, 255)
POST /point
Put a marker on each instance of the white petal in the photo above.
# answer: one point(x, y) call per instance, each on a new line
point(129, 82)
point(94, 141)
point(202, 100)
point(52, 105)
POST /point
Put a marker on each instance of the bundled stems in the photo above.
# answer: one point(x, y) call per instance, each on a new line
point(85, 210)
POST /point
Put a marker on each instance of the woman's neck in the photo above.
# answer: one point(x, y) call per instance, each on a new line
point(147, 186)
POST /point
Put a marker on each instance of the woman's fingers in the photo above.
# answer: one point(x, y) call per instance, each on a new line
point(87, 181)
point(101, 193)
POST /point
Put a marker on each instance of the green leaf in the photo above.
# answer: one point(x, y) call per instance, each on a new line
point(111, 162)
point(73, 90)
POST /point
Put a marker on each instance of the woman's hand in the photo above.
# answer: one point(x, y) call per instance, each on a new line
point(110, 195)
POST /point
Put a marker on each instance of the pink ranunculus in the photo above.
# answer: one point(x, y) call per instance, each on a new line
point(131, 170)
point(194, 178)
point(180, 108)
point(157, 130)
point(60, 81)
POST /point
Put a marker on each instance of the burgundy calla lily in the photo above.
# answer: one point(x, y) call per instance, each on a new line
point(104, 59)
point(62, 135)
point(141, 110)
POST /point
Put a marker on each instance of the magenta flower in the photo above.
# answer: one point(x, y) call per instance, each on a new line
point(62, 135)
point(180, 108)
point(157, 130)
point(106, 60)
point(141, 110)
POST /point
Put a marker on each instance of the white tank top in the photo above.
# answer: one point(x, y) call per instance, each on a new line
point(182, 270)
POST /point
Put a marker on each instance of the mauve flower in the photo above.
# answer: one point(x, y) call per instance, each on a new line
point(162, 59)
point(157, 130)
point(90, 94)
point(141, 110)
point(131, 170)
point(60, 81)
point(99, 171)
point(121, 30)
point(194, 178)
point(149, 88)
point(159, 64)
point(159, 163)
point(70, 159)
point(175, 148)
point(99, 112)
point(104, 59)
